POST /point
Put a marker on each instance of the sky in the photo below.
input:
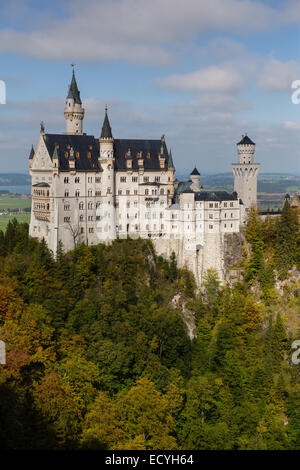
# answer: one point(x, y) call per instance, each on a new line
point(201, 72)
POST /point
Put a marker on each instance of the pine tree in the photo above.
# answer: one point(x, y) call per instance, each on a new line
point(286, 241)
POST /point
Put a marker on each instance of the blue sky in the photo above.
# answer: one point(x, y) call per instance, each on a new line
point(203, 73)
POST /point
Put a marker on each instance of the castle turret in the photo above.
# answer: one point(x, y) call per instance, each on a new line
point(74, 112)
point(106, 160)
point(195, 179)
point(245, 173)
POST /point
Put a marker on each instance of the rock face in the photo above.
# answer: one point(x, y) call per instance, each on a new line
point(233, 247)
point(187, 316)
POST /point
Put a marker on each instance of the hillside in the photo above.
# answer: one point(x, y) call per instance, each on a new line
point(99, 355)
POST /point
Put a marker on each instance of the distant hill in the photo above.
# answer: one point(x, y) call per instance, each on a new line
point(14, 179)
point(267, 182)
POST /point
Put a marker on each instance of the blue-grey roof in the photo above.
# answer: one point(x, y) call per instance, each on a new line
point(195, 172)
point(150, 150)
point(86, 152)
point(246, 141)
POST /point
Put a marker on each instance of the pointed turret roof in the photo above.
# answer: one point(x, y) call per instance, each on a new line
point(170, 160)
point(245, 141)
point(195, 172)
point(73, 90)
point(31, 153)
point(106, 129)
point(55, 153)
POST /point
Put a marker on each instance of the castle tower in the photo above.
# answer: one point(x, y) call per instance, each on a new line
point(195, 179)
point(106, 160)
point(245, 173)
point(74, 112)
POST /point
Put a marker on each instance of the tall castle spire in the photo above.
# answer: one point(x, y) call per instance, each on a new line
point(74, 112)
point(106, 129)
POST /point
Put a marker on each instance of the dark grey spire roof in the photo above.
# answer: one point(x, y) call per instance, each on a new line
point(31, 153)
point(55, 153)
point(73, 90)
point(245, 141)
point(106, 129)
point(170, 160)
point(195, 172)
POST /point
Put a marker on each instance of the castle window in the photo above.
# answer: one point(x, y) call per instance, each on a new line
point(146, 192)
point(67, 207)
point(123, 179)
point(66, 155)
point(135, 192)
point(81, 218)
point(162, 192)
point(216, 205)
point(98, 179)
point(211, 205)
point(89, 155)
point(225, 215)
point(134, 179)
point(90, 192)
point(146, 179)
point(98, 193)
point(157, 179)
point(66, 219)
point(108, 190)
point(91, 230)
point(76, 193)
point(90, 218)
point(81, 205)
point(211, 226)
point(82, 230)
point(231, 214)
point(77, 155)
point(231, 204)
point(90, 205)
point(225, 204)
point(77, 179)
point(120, 192)
point(128, 192)
point(66, 193)
point(211, 216)
point(66, 179)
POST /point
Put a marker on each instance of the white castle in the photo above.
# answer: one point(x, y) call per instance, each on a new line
point(88, 189)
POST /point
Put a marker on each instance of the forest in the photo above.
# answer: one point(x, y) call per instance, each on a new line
point(99, 355)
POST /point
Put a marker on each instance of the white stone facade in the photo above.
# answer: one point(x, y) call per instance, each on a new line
point(91, 190)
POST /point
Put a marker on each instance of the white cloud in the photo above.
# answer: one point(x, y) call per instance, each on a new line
point(213, 78)
point(278, 76)
point(135, 30)
point(291, 125)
